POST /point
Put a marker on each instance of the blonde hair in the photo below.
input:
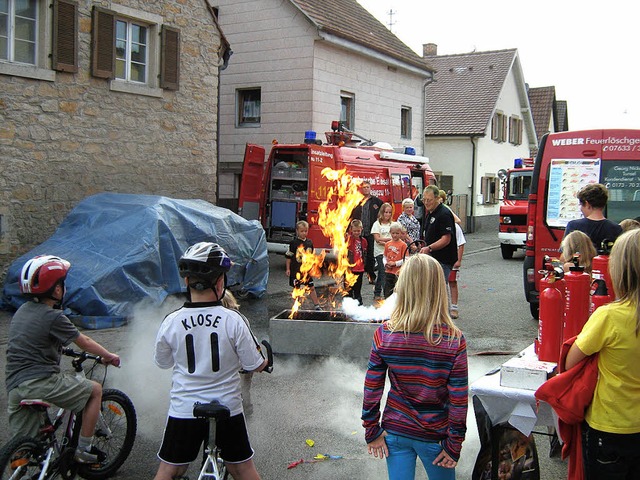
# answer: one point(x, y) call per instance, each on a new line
point(395, 226)
point(229, 301)
point(624, 267)
point(422, 304)
point(302, 223)
point(629, 224)
point(355, 223)
point(578, 242)
point(443, 195)
point(383, 207)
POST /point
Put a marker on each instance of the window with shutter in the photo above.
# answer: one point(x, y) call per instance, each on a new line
point(170, 58)
point(103, 43)
point(65, 36)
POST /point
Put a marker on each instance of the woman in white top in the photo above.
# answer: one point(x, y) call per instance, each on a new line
point(381, 235)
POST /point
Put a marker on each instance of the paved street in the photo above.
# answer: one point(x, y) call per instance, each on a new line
point(320, 398)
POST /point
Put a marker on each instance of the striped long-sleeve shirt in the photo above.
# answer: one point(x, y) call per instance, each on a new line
point(429, 387)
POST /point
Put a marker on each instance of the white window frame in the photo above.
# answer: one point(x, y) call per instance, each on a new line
point(349, 117)
point(41, 70)
point(128, 41)
point(405, 122)
point(154, 24)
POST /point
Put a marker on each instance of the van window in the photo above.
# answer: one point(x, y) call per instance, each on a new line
point(567, 177)
point(519, 185)
point(401, 187)
point(622, 179)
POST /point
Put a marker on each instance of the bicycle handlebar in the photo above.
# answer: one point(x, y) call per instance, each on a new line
point(80, 357)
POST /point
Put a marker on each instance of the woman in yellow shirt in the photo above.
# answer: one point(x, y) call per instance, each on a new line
point(611, 432)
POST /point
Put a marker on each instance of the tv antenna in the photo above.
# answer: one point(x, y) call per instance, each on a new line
point(391, 23)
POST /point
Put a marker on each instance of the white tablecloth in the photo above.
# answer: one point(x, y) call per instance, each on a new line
point(515, 406)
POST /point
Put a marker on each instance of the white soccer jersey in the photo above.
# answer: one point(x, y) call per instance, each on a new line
point(206, 344)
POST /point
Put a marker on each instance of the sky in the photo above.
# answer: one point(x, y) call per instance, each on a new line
point(590, 51)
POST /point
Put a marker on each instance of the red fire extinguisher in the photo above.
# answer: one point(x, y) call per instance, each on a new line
point(551, 315)
point(577, 299)
point(601, 286)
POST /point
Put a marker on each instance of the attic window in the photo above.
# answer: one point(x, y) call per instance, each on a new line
point(515, 130)
point(499, 127)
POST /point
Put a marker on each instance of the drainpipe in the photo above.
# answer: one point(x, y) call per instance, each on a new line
point(471, 223)
point(424, 114)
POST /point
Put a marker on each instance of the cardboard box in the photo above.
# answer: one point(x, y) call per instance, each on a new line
point(525, 372)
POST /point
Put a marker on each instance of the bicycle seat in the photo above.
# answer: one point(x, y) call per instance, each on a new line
point(35, 403)
point(213, 409)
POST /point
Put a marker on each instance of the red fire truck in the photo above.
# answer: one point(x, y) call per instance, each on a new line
point(516, 183)
point(289, 187)
point(566, 162)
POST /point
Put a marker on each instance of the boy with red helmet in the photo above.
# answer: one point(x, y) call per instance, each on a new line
point(37, 333)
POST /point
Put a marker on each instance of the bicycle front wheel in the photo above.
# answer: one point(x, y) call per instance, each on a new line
point(20, 458)
point(115, 434)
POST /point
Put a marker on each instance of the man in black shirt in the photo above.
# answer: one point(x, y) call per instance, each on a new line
point(440, 231)
point(367, 213)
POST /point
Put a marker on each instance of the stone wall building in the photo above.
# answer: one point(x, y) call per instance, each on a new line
point(110, 95)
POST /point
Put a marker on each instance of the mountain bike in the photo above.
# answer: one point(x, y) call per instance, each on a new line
point(50, 454)
point(213, 467)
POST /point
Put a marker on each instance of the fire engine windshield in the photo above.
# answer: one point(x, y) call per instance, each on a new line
point(519, 185)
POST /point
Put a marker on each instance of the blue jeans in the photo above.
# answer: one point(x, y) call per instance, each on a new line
point(401, 462)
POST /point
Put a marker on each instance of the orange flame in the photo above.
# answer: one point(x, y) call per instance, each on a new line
point(334, 222)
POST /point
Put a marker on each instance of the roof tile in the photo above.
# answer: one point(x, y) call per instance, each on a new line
point(465, 91)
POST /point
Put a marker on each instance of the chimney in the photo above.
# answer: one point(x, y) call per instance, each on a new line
point(429, 50)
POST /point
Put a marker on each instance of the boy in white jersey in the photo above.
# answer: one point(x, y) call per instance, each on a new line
point(206, 344)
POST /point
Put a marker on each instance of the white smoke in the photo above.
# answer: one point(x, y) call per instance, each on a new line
point(360, 313)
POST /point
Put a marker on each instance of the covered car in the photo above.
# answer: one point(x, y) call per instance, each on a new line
point(124, 249)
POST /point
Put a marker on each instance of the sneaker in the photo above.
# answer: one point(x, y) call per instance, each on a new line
point(90, 456)
point(454, 314)
point(318, 308)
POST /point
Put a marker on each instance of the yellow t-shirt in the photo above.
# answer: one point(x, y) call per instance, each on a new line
point(611, 331)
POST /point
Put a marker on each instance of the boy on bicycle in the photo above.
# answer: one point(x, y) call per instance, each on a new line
point(206, 344)
point(37, 333)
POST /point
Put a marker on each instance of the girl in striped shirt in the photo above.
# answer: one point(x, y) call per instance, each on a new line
point(425, 355)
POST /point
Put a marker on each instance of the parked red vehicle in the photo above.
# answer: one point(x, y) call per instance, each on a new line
point(566, 162)
point(289, 187)
point(516, 183)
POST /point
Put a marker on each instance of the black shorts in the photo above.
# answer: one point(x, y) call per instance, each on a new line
point(294, 282)
point(183, 439)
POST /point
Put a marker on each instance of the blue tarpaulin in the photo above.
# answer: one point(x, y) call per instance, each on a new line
point(125, 248)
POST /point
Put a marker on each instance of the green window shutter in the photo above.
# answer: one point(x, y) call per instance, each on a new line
point(103, 51)
point(65, 36)
point(170, 58)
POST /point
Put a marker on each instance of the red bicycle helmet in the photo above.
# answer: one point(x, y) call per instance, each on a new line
point(40, 274)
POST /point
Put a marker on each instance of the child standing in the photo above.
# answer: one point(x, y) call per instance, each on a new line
point(393, 256)
point(293, 261)
point(424, 355)
point(611, 430)
point(454, 276)
point(381, 235)
point(357, 246)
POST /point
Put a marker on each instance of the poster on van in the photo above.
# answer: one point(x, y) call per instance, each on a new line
point(566, 178)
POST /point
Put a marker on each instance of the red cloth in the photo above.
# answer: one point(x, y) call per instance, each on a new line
point(569, 393)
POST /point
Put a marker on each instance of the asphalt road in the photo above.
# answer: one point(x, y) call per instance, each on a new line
point(321, 398)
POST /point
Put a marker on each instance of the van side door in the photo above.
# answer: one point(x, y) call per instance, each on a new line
point(250, 199)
